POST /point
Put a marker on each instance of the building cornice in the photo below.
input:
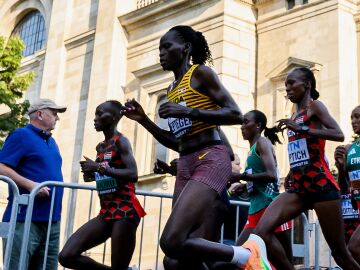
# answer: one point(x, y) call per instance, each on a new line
point(155, 12)
point(80, 39)
point(31, 62)
point(249, 2)
point(295, 15)
point(280, 72)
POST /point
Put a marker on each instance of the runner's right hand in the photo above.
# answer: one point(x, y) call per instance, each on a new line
point(133, 110)
point(340, 156)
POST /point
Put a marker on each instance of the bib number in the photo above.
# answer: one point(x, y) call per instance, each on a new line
point(249, 184)
point(105, 184)
point(347, 210)
point(180, 126)
point(354, 177)
point(298, 153)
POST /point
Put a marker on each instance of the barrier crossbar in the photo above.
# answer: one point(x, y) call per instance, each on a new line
point(300, 250)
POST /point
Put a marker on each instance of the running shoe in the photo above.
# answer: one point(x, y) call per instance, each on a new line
point(258, 258)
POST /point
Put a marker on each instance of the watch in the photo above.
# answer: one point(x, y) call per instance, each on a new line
point(194, 113)
point(304, 129)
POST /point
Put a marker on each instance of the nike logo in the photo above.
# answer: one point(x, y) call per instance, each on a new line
point(203, 155)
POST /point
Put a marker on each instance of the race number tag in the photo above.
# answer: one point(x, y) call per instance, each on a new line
point(347, 210)
point(298, 153)
point(180, 126)
point(354, 177)
point(105, 184)
point(249, 184)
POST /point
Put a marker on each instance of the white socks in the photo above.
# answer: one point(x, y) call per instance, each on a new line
point(241, 255)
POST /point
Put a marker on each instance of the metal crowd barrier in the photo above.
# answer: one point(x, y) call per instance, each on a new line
point(299, 250)
point(7, 229)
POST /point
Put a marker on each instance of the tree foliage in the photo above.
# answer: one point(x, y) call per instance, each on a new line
point(12, 86)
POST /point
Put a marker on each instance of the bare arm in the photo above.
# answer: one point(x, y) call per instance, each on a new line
point(329, 129)
point(265, 150)
point(340, 163)
point(332, 130)
point(134, 111)
point(129, 172)
point(206, 81)
point(22, 181)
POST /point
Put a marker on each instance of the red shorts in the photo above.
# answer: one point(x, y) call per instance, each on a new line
point(253, 220)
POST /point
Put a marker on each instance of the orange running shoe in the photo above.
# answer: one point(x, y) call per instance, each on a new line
point(258, 258)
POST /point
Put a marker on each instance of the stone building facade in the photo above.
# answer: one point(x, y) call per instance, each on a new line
point(98, 50)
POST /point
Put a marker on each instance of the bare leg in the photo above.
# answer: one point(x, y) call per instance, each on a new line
point(285, 207)
point(244, 235)
point(332, 225)
point(285, 240)
point(91, 234)
point(123, 239)
point(208, 226)
point(186, 217)
point(354, 246)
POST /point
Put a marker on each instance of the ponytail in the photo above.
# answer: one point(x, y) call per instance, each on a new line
point(200, 51)
point(270, 133)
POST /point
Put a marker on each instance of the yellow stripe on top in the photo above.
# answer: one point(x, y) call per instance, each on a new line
point(183, 93)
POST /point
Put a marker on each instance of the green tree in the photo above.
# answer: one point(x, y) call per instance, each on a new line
point(12, 86)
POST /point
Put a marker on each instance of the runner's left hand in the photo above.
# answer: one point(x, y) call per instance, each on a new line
point(171, 109)
point(288, 124)
point(88, 165)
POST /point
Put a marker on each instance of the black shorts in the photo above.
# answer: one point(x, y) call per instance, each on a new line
point(309, 198)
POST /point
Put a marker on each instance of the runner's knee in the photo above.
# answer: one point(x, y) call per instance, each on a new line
point(66, 257)
point(171, 245)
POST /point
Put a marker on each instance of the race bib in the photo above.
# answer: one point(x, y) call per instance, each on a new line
point(354, 177)
point(180, 126)
point(347, 210)
point(249, 184)
point(298, 153)
point(105, 184)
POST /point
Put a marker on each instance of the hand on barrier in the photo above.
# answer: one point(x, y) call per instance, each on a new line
point(43, 192)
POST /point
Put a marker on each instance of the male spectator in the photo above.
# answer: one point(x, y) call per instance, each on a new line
point(31, 156)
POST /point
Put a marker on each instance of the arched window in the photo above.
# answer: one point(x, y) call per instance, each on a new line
point(160, 151)
point(31, 30)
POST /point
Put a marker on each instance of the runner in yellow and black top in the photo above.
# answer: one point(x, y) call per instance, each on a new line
point(197, 104)
point(115, 173)
point(348, 163)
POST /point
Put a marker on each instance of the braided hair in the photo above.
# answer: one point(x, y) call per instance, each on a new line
point(200, 53)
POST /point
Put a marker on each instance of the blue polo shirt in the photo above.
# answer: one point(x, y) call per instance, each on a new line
point(34, 155)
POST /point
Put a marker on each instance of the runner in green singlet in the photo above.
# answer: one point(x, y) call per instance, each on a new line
point(348, 164)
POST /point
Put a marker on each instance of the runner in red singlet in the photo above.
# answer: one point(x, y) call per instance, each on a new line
point(310, 185)
point(115, 173)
